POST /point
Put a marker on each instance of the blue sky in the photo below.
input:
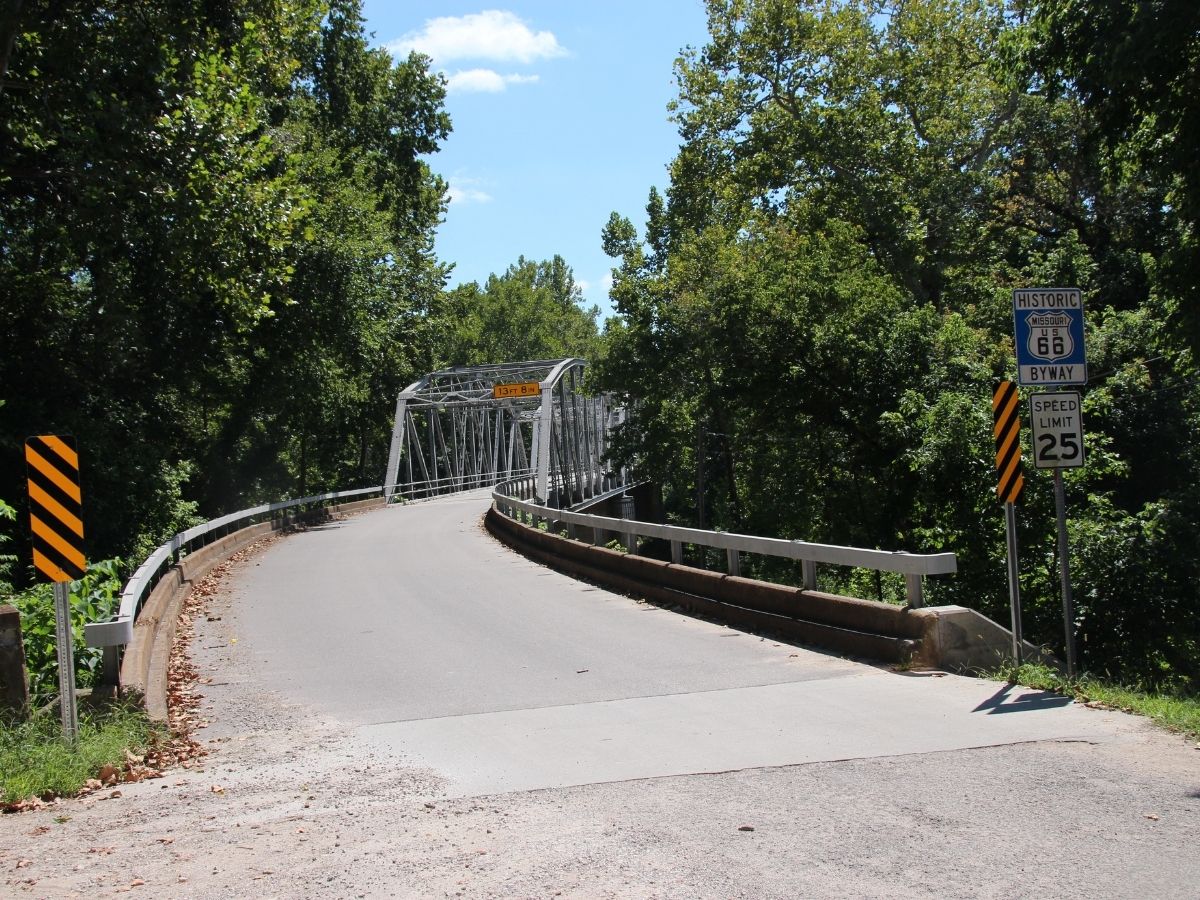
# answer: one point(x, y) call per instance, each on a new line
point(560, 118)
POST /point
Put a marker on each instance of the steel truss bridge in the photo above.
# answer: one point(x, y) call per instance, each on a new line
point(476, 426)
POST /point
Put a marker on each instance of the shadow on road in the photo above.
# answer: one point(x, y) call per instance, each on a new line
point(1001, 702)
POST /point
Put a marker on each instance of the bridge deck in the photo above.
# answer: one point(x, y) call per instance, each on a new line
point(413, 626)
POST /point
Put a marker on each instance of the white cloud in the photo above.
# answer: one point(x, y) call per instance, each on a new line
point(493, 34)
point(483, 81)
point(464, 190)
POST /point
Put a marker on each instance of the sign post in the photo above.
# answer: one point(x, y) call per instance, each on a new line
point(1006, 429)
point(1048, 331)
point(56, 521)
point(1058, 444)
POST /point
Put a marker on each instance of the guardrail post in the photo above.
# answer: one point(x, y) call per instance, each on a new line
point(916, 593)
point(735, 562)
point(110, 666)
point(808, 574)
point(677, 552)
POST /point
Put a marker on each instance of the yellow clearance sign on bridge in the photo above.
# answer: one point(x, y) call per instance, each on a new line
point(520, 389)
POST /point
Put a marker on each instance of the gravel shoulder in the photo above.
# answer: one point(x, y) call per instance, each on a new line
point(288, 803)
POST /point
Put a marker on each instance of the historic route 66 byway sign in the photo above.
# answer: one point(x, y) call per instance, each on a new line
point(1049, 336)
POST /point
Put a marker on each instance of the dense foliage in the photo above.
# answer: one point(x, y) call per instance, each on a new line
point(813, 316)
point(532, 311)
point(217, 269)
point(216, 254)
point(94, 598)
point(215, 232)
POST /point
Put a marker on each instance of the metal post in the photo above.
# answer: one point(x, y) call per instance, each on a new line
point(66, 661)
point(110, 667)
point(734, 561)
point(397, 445)
point(808, 574)
point(628, 512)
point(914, 590)
point(1064, 564)
point(1014, 582)
point(543, 432)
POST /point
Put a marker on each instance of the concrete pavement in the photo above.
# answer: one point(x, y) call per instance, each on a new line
point(448, 650)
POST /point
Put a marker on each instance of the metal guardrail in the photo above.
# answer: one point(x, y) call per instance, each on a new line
point(913, 566)
point(451, 484)
point(119, 631)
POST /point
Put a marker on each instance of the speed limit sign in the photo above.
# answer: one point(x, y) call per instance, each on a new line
point(1057, 430)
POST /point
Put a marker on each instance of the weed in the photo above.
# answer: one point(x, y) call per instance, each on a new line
point(36, 762)
point(94, 598)
point(1177, 711)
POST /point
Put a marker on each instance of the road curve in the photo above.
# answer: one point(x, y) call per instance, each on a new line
point(413, 626)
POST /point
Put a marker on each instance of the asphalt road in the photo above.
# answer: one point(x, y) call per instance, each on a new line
point(398, 706)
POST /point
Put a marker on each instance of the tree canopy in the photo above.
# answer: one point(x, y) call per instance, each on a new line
point(216, 234)
point(813, 317)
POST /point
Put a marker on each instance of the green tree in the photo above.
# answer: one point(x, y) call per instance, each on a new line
point(533, 311)
point(216, 227)
point(1135, 66)
point(813, 321)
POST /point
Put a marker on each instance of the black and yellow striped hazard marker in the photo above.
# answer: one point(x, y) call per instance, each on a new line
point(1006, 428)
point(55, 507)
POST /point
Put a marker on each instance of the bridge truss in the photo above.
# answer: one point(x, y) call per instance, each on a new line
point(454, 431)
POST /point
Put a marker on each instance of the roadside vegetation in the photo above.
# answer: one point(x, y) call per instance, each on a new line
point(814, 312)
point(36, 765)
point(1169, 708)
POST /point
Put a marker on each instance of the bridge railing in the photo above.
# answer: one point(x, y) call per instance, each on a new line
point(510, 499)
point(451, 484)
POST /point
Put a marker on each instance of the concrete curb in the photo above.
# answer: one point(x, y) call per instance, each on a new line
point(144, 668)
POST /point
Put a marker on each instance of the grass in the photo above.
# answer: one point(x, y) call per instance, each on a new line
point(1176, 712)
point(36, 762)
